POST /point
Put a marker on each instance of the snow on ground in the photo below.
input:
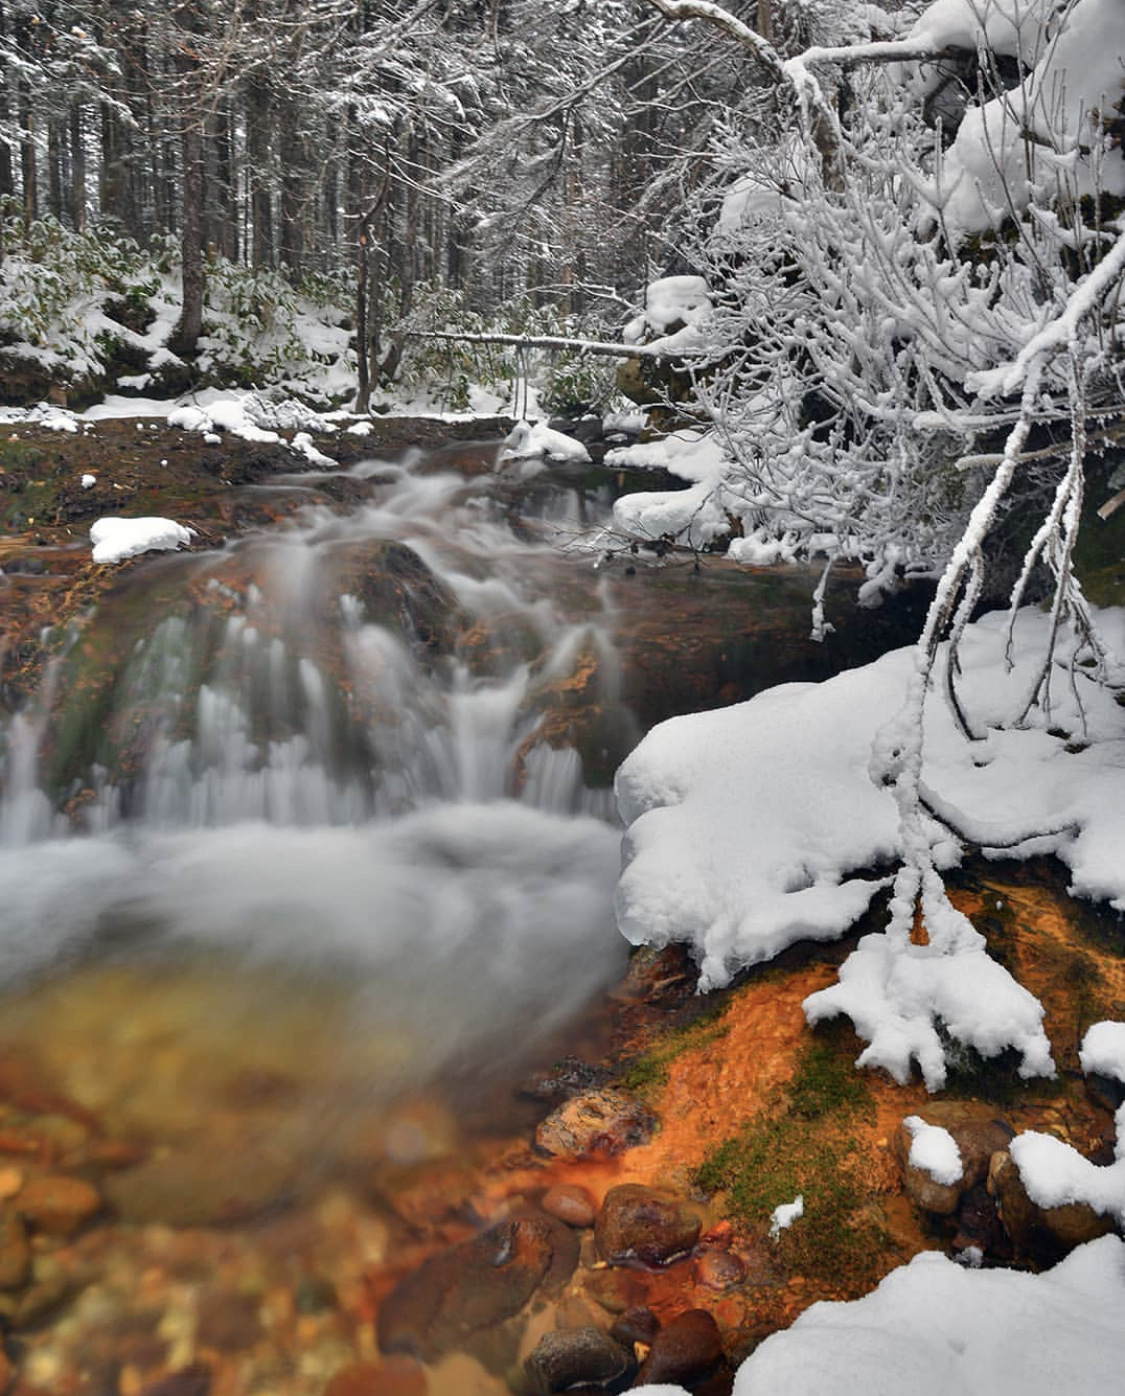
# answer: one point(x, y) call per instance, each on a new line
point(115, 539)
point(529, 439)
point(755, 826)
point(43, 415)
point(934, 1150)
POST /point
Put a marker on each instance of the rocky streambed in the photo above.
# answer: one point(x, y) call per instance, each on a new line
point(223, 1174)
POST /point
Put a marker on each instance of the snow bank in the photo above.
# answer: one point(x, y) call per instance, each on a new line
point(528, 439)
point(1014, 28)
point(115, 539)
point(672, 300)
point(44, 414)
point(934, 1150)
point(756, 826)
point(694, 515)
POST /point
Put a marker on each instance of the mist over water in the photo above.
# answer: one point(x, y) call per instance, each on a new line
point(316, 796)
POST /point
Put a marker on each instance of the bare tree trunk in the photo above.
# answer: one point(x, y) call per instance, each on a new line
point(77, 170)
point(190, 326)
point(54, 169)
point(257, 153)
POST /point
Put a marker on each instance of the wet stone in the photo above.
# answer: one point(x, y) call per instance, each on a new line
point(200, 1187)
point(718, 1269)
point(15, 1252)
point(572, 1356)
point(471, 1286)
point(637, 1223)
point(58, 1206)
point(686, 1349)
point(228, 1322)
point(636, 1325)
point(564, 1080)
point(571, 1204)
point(314, 1295)
point(617, 1290)
point(599, 1122)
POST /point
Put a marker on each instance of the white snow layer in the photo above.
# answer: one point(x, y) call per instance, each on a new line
point(1013, 28)
point(1103, 1050)
point(755, 826)
point(1043, 134)
point(934, 1150)
point(115, 539)
point(783, 1217)
point(528, 439)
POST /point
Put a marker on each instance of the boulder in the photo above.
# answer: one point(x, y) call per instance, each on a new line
point(574, 1356)
point(685, 1350)
point(1026, 1222)
point(471, 1286)
point(637, 1223)
point(598, 1122)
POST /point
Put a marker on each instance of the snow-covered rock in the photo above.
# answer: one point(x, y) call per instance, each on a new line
point(934, 1150)
point(115, 539)
point(528, 439)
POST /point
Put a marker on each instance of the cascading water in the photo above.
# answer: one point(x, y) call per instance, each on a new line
point(329, 758)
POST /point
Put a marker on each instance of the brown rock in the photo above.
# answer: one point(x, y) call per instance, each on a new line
point(599, 1122)
point(59, 1205)
point(192, 1381)
point(5, 1372)
point(638, 1223)
point(396, 1376)
point(636, 1325)
point(573, 1312)
point(572, 1356)
point(15, 1252)
point(718, 1269)
point(570, 1203)
point(1024, 1220)
point(685, 1350)
point(468, 1287)
point(228, 1322)
point(978, 1140)
point(202, 1187)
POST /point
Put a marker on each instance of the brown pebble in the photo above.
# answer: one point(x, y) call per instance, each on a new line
point(11, 1180)
point(685, 1350)
point(718, 1269)
point(571, 1204)
point(636, 1325)
point(58, 1205)
point(394, 1376)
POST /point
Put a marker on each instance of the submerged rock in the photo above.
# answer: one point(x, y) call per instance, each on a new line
point(638, 1223)
point(573, 1356)
point(58, 1206)
point(475, 1285)
point(686, 1349)
point(15, 1252)
point(599, 1122)
point(571, 1204)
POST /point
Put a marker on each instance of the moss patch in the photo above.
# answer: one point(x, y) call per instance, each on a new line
point(804, 1144)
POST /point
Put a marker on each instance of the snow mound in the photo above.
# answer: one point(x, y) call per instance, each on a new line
point(755, 826)
point(934, 1150)
point(783, 1217)
point(695, 515)
point(116, 539)
point(1103, 1050)
point(528, 439)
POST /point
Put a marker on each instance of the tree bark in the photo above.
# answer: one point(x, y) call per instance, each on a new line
point(190, 325)
point(257, 152)
point(77, 170)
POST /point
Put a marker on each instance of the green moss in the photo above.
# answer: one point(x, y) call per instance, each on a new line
point(801, 1146)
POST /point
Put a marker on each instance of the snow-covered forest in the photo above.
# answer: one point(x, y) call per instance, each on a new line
point(820, 293)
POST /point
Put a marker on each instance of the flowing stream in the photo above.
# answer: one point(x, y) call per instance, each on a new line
point(304, 807)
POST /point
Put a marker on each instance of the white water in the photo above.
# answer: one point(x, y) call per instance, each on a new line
point(384, 830)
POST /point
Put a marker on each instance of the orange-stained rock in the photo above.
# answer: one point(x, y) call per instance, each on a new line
point(599, 1122)
point(684, 1350)
point(58, 1205)
point(718, 1269)
point(1070, 1225)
